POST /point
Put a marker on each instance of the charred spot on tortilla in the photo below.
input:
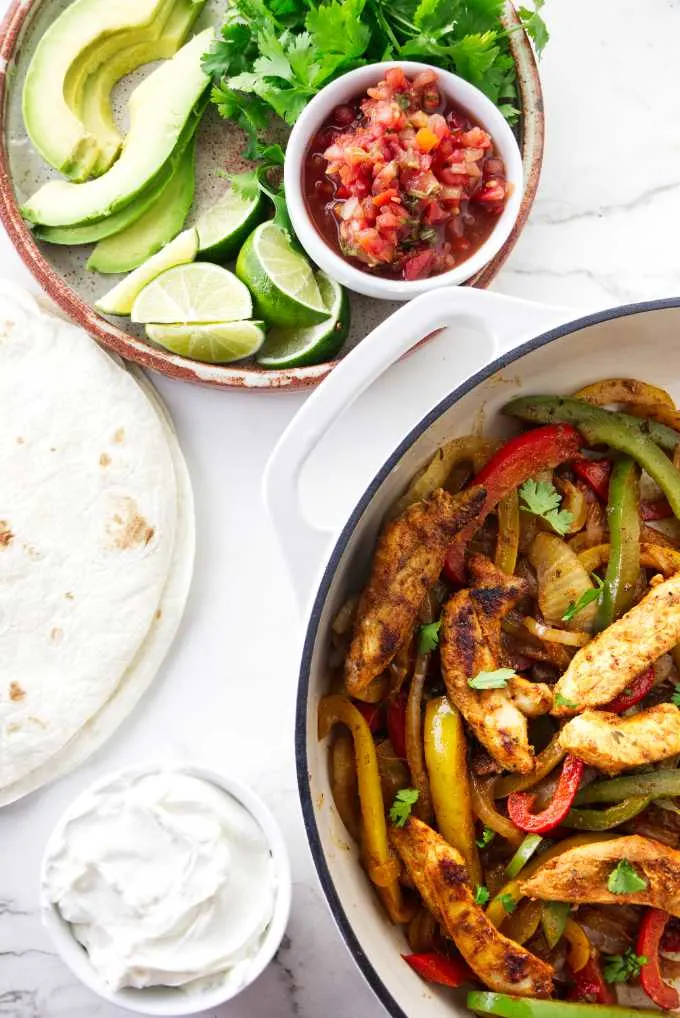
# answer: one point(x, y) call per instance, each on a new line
point(104, 459)
point(69, 596)
point(6, 535)
point(127, 528)
point(119, 435)
point(16, 692)
point(20, 440)
point(158, 613)
point(56, 634)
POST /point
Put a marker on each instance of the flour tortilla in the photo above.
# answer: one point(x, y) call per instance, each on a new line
point(98, 504)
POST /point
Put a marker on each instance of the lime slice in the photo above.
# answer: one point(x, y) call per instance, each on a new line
point(224, 227)
point(179, 251)
point(280, 279)
point(294, 348)
point(217, 343)
point(194, 294)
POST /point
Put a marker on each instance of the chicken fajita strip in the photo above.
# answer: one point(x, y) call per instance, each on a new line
point(613, 744)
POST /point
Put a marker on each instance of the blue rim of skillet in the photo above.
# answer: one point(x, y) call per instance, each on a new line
point(302, 763)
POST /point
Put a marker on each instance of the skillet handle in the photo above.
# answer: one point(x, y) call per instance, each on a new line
point(504, 321)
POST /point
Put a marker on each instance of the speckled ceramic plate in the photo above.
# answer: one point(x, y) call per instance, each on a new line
point(61, 271)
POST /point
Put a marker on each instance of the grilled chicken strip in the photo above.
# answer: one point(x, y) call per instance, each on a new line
point(438, 872)
point(603, 668)
point(408, 560)
point(469, 642)
point(580, 874)
point(612, 743)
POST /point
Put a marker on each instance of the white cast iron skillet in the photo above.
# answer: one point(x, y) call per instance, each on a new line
point(637, 340)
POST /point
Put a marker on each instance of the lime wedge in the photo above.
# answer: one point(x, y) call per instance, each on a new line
point(280, 279)
point(294, 348)
point(224, 227)
point(179, 251)
point(217, 343)
point(194, 294)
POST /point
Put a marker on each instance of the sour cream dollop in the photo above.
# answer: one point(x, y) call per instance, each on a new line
point(166, 879)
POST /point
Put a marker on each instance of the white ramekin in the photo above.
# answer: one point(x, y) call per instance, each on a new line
point(163, 1000)
point(462, 94)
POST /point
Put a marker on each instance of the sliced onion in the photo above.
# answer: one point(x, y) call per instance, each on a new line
point(562, 636)
point(562, 580)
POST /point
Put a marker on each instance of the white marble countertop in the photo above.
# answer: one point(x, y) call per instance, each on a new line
point(603, 232)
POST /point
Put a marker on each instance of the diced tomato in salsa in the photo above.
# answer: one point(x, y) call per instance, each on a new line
point(402, 182)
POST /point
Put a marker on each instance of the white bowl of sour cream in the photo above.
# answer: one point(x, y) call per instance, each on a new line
point(166, 888)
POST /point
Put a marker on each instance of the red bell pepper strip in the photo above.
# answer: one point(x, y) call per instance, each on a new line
point(634, 692)
point(512, 465)
point(396, 725)
point(520, 803)
point(656, 509)
point(596, 473)
point(649, 936)
point(372, 713)
point(590, 985)
point(437, 968)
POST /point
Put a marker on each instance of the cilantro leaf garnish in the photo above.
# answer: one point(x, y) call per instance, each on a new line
point(586, 598)
point(562, 701)
point(620, 968)
point(535, 26)
point(481, 895)
point(404, 801)
point(487, 837)
point(508, 903)
point(543, 499)
point(428, 637)
point(491, 680)
point(675, 698)
point(624, 879)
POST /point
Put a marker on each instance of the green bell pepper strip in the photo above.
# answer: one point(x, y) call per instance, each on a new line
point(605, 819)
point(523, 854)
point(653, 784)
point(505, 1006)
point(553, 920)
point(637, 437)
point(623, 568)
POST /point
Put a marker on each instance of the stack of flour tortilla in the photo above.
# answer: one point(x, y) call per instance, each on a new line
point(96, 543)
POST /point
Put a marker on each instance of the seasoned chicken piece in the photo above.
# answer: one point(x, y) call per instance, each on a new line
point(603, 668)
point(612, 743)
point(438, 872)
point(408, 560)
point(469, 642)
point(581, 874)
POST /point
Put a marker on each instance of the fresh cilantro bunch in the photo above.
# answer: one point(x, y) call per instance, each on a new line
point(274, 55)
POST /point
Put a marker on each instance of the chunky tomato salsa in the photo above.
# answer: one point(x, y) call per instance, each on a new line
point(403, 183)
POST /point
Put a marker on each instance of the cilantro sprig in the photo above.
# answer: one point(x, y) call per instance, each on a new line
point(563, 701)
point(497, 679)
point(675, 698)
point(624, 879)
point(404, 801)
point(543, 499)
point(620, 968)
point(586, 598)
point(482, 895)
point(485, 838)
point(274, 55)
point(508, 902)
point(428, 637)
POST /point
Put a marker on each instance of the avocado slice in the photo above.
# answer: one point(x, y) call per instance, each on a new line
point(54, 129)
point(159, 110)
point(95, 102)
point(127, 249)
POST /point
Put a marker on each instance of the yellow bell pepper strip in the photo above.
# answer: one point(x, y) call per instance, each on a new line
point(523, 923)
point(446, 760)
point(546, 761)
point(605, 819)
point(636, 438)
point(505, 1006)
point(523, 854)
point(652, 556)
point(578, 953)
point(381, 866)
point(628, 391)
point(483, 807)
point(623, 516)
point(652, 784)
point(553, 921)
point(344, 783)
point(511, 893)
point(507, 543)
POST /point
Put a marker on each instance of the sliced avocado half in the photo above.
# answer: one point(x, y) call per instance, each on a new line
point(52, 126)
point(159, 110)
point(127, 249)
point(95, 101)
